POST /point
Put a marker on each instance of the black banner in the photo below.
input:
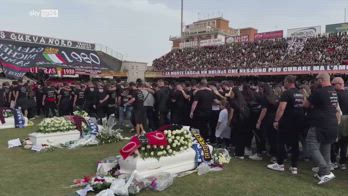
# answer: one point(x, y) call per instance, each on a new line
point(34, 39)
point(17, 58)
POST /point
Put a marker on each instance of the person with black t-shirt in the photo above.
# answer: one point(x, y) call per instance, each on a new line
point(255, 108)
point(239, 116)
point(4, 93)
point(2, 96)
point(21, 98)
point(139, 113)
point(39, 93)
point(112, 100)
point(289, 123)
point(32, 104)
point(90, 100)
point(102, 103)
point(187, 104)
point(79, 97)
point(49, 100)
point(179, 99)
point(12, 94)
point(162, 99)
point(202, 108)
point(342, 143)
point(264, 125)
point(64, 101)
point(324, 120)
point(124, 110)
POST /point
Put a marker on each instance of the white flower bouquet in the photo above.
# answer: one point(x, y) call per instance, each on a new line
point(55, 124)
point(81, 113)
point(221, 156)
point(178, 140)
point(7, 113)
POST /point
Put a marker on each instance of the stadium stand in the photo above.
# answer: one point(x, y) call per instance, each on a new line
point(322, 50)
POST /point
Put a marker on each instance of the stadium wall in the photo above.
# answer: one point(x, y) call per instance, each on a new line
point(135, 70)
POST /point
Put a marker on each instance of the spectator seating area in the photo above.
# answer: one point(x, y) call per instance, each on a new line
point(322, 50)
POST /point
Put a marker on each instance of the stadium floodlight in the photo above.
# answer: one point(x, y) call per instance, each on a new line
point(182, 17)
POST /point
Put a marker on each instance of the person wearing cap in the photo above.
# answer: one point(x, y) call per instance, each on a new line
point(342, 143)
point(324, 120)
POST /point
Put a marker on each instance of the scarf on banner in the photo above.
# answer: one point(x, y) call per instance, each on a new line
point(93, 127)
point(198, 139)
point(130, 148)
point(19, 118)
point(199, 157)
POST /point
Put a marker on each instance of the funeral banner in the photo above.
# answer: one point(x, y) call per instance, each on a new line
point(269, 71)
point(16, 58)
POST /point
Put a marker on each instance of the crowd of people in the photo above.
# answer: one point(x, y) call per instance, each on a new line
point(321, 50)
point(278, 118)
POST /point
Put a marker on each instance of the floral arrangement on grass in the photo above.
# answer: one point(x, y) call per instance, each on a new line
point(55, 124)
point(178, 140)
point(8, 113)
point(221, 156)
point(108, 138)
point(81, 113)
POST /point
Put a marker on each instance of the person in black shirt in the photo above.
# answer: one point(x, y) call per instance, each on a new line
point(162, 99)
point(4, 95)
point(288, 122)
point(239, 116)
point(39, 92)
point(139, 112)
point(187, 106)
point(79, 97)
point(255, 108)
point(202, 108)
point(65, 101)
point(179, 100)
point(21, 98)
point(49, 100)
point(90, 100)
point(32, 104)
point(324, 120)
point(102, 102)
point(112, 99)
point(264, 125)
point(12, 94)
point(124, 110)
point(342, 143)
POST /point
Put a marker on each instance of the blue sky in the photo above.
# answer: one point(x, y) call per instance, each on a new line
point(140, 29)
